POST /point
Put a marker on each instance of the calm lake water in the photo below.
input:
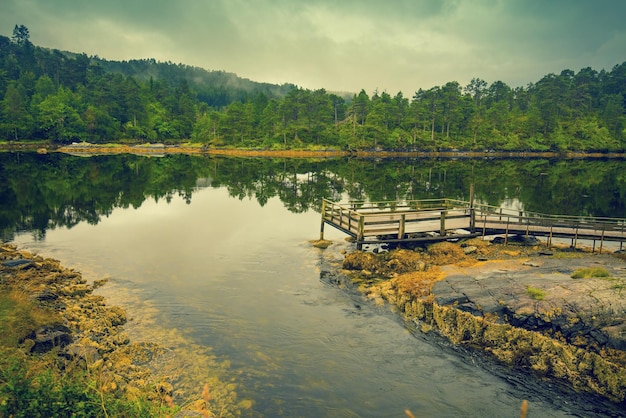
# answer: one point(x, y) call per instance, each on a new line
point(215, 254)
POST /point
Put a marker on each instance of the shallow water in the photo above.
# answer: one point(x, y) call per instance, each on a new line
point(244, 280)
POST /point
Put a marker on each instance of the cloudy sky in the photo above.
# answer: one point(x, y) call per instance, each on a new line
point(339, 45)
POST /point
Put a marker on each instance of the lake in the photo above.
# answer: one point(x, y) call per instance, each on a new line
point(212, 258)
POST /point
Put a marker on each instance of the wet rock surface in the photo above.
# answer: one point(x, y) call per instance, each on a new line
point(519, 303)
point(588, 312)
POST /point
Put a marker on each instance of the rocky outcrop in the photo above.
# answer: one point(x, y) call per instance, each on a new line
point(522, 307)
point(587, 312)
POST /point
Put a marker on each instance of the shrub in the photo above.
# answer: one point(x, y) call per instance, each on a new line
point(589, 272)
point(535, 293)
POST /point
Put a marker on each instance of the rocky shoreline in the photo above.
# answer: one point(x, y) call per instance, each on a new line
point(90, 334)
point(89, 331)
point(520, 304)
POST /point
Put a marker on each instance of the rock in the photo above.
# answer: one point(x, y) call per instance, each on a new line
point(46, 295)
point(21, 263)
point(116, 315)
point(470, 249)
point(49, 337)
point(87, 353)
point(529, 240)
point(523, 240)
point(497, 240)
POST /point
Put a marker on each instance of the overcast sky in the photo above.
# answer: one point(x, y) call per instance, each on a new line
point(339, 45)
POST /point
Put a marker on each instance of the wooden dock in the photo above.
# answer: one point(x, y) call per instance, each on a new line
point(433, 220)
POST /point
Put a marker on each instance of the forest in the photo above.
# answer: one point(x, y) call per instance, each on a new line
point(63, 97)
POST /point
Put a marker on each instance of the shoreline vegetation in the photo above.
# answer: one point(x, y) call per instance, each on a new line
point(160, 149)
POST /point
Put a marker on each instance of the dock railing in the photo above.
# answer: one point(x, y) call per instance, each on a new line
point(436, 219)
point(490, 219)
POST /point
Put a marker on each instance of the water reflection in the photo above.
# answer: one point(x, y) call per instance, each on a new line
point(41, 192)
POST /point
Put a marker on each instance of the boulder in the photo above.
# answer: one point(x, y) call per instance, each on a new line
point(50, 336)
point(470, 249)
point(21, 263)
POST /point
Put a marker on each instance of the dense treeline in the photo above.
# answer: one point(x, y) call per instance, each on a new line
point(67, 97)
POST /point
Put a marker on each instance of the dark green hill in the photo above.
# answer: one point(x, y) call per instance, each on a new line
point(216, 88)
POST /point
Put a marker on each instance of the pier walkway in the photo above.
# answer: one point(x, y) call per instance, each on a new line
point(433, 220)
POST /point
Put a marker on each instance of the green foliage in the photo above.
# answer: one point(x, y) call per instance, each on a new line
point(535, 293)
point(589, 272)
point(67, 97)
point(19, 317)
point(36, 387)
point(43, 386)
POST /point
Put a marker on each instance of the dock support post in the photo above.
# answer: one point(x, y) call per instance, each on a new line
point(484, 225)
point(322, 225)
point(602, 240)
point(360, 232)
point(442, 226)
point(506, 232)
point(401, 226)
point(550, 236)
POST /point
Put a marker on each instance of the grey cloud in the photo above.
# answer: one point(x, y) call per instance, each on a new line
point(340, 45)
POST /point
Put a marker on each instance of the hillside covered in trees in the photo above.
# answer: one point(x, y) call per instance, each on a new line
point(66, 97)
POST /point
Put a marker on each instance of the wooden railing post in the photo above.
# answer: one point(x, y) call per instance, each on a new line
point(360, 232)
point(349, 221)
